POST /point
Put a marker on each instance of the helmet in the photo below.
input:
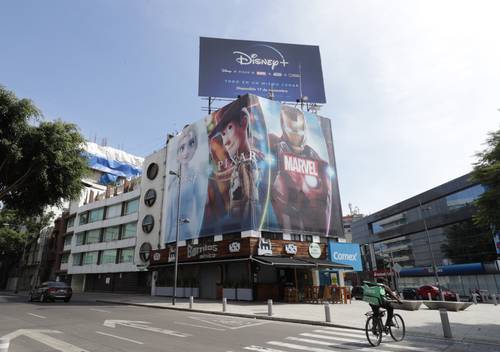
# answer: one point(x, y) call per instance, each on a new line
point(293, 125)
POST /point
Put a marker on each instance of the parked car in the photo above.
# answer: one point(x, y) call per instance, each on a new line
point(410, 293)
point(423, 293)
point(357, 292)
point(51, 291)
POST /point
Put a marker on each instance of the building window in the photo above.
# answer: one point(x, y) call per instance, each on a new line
point(96, 215)
point(77, 259)
point(389, 223)
point(464, 197)
point(108, 256)
point(80, 238)
point(150, 197)
point(83, 218)
point(111, 234)
point(67, 240)
point(71, 221)
point(64, 258)
point(308, 238)
point(152, 171)
point(114, 211)
point(93, 236)
point(126, 255)
point(145, 251)
point(129, 230)
point(295, 237)
point(90, 258)
point(131, 207)
point(272, 235)
point(148, 223)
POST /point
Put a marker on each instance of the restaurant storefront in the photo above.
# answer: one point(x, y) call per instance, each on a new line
point(241, 268)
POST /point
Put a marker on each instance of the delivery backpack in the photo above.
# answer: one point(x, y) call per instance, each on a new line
point(373, 294)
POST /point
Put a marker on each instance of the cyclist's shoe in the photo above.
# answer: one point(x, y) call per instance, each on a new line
point(390, 323)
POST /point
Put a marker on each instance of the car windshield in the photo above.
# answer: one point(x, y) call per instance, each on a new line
point(57, 284)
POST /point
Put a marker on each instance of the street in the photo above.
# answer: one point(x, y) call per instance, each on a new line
point(83, 325)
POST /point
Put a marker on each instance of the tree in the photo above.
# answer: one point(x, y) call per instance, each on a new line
point(41, 163)
point(468, 242)
point(487, 172)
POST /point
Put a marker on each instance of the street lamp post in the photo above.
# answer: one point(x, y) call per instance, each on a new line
point(434, 266)
point(177, 223)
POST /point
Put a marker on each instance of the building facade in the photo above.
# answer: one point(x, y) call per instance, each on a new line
point(423, 230)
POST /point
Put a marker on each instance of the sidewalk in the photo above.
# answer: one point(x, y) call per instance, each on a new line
point(477, 323)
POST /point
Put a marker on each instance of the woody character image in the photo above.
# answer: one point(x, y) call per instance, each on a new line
point(301, 188)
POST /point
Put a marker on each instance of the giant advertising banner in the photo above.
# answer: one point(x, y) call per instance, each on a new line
point(255, 164)
point(229, 68)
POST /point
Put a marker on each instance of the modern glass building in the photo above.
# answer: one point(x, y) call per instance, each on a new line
point(432, 227)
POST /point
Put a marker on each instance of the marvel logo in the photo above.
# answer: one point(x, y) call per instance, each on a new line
point(302, 166)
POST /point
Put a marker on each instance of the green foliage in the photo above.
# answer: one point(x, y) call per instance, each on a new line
point(487, 172)
point(41, 163)
point(468, 242)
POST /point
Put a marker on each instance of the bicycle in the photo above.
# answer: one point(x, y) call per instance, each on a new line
point(375, 327)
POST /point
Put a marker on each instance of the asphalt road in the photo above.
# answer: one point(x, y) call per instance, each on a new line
point(84, 325)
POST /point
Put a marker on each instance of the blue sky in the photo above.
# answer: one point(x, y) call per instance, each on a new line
point(412, 87)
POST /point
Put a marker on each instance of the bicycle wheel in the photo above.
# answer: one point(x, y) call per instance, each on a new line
point(373, 330)
point(398, 330)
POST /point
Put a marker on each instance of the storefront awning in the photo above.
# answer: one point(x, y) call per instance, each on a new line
point(323, 263)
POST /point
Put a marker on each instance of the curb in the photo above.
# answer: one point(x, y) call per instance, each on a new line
point(239, 315)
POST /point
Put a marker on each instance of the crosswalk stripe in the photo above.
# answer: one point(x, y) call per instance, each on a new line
point(298, 347)
point(363, 336)
point(337, 338)
point(332, 344)
point(262, 349)
point(348, 331)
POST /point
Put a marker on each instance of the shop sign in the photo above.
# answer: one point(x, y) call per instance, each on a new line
point(291, 248)
point(156, 257)
point(234, 247)
point(171, 255)
point(265, 247)
point(314, 250)
point(346, 253)
point(202, 251)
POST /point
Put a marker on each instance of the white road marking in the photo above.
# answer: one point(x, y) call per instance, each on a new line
point(262, 349)
point(347, 334)
point(40, 336)
point(119, 337)
point(142, 326)
point(199, 326)
point(100, 310)
point(349, 331)
point(229, 323)
point(36, 315)
point(299, 347)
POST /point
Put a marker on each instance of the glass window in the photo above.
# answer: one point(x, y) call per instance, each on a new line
point(80, 238)
point(464, 197)
point(152, 171)
point(93, 236)
point(108, 256)
point(148, 223)
point(67, 240)
point(308, 238)
point(145, 251)
point(111, 234)
point(389, 223)
point(295, 237)
point(83, 218)
point(129, 230)
point(150, 197)
point(114, 211)
point(131, 206)
point(126, 255)
point(90, 258)
point(96, 215)
point(77, 259)
point(71, 221)
point(64, 258)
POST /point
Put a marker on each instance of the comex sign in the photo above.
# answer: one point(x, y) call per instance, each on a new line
point(346, 253)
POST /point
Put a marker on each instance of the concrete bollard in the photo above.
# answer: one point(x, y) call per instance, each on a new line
point(458, 297)
point(402, 295)
point(494, 297)
point(429, 296)
point(485, 298)
point(191, 301)
point(270, 307)
point(328, 316)
point(446, 323)
point(224, 304)
point(4, 344)
point(474, 298)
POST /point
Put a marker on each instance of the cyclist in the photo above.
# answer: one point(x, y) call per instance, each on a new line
point(377, 295)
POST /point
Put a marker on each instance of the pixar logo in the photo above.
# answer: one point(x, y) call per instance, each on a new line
point(344, 256)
